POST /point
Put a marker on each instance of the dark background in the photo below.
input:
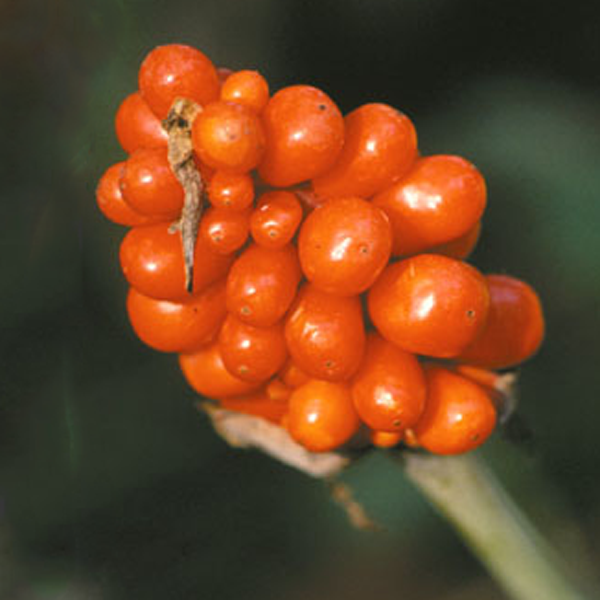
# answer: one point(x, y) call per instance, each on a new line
point(111, 485)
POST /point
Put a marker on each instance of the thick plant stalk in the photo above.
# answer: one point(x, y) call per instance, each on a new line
point(467, 494)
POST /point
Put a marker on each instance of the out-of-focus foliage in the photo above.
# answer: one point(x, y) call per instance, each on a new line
point(111, 485)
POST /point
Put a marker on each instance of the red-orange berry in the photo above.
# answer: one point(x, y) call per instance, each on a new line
point(177, 326)
point(249, 88)
point(252, 353)
point(262, 283)
point(110, 199)
point(177, 71)
point(380, 147)
point(459, 414)
point(321, 415)
point(461, 247)
point(152, 262)
point(228, 137)
point(430, 304)
point(275, 219)
point(305, 133)
point(389, 387)
point(137, 126)
point(224, 230)
point(515, 326)
point(257, 404)
point(344, 245)
point(149, 185)
point(325, 334)
point(385, 439)
point(439, 200)
point(234, 191)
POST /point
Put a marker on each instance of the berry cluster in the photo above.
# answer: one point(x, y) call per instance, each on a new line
point(324, 286)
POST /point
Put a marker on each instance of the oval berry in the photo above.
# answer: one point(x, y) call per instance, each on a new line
point(275, 219)
point(249, 88)
point(515, 326)
point(321, 415)
point(252, 353)
point(439, 200)
point(224, 230)
point(137, 126)
point(257, 404)
point(430, 304)
point(205, 372)
point(233, 191)
point(459, 414)
point(389, 387)
point(325, 334)
point(177, 71)
point(228, 137)
point(380, 147)
point(152, 262)
point(177, 326)
point(262, 284)
point(344, 245)
point(149, 185)
point(305, 133)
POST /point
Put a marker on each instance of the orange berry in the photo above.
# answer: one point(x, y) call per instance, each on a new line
point(249, 88)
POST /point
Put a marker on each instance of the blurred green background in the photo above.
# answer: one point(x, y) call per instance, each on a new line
point(111, 485)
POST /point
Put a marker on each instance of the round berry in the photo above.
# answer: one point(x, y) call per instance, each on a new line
point(389, 387)
point(205, 372)
point(137, 126)
point(380, 147)
point(252, 353)
point(325, 334)
point(257, 404)
point(459, 414)
point(110, 199)
point(262, 284)
point(149, 185)
point(344, 245)
point(321, 415)
point(177, 326)
point(305, 133)
point(439, 200)
point(152, 262)
point(249, 88)
point(275, 219)
point(430, 304)
point(234, 191)
point(177, 71)
point(461, 247)
point(224, 230)
point(515, 326)
point(229, 137)
point(385, 439)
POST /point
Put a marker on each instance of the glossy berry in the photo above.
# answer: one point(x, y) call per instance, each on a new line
point(177, 71)
point(262, 283)
point(152, 262)
point(459, 415)
point(292, 375)
point(257, 404)
point(249, 88)
point(380, 147)
point(228, 137)
point(277, 390)
point(344, 245)
point(110, 199)
point(321, 415)
point(305, 133)
point(149, 185)
point(430, 304)
point(205, 372)
point(252, 353)
point(224, 230)
point(137, 126)
point(177, 326)
point(439, 200)
point(234, 191)
point(275, 219)
point(389, 387)
point(515, 326)
point(325, 334)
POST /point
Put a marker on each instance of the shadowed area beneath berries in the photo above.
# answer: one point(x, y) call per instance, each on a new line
point(112, 485)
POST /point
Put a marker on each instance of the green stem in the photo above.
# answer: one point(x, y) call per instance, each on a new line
point(469, 496)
